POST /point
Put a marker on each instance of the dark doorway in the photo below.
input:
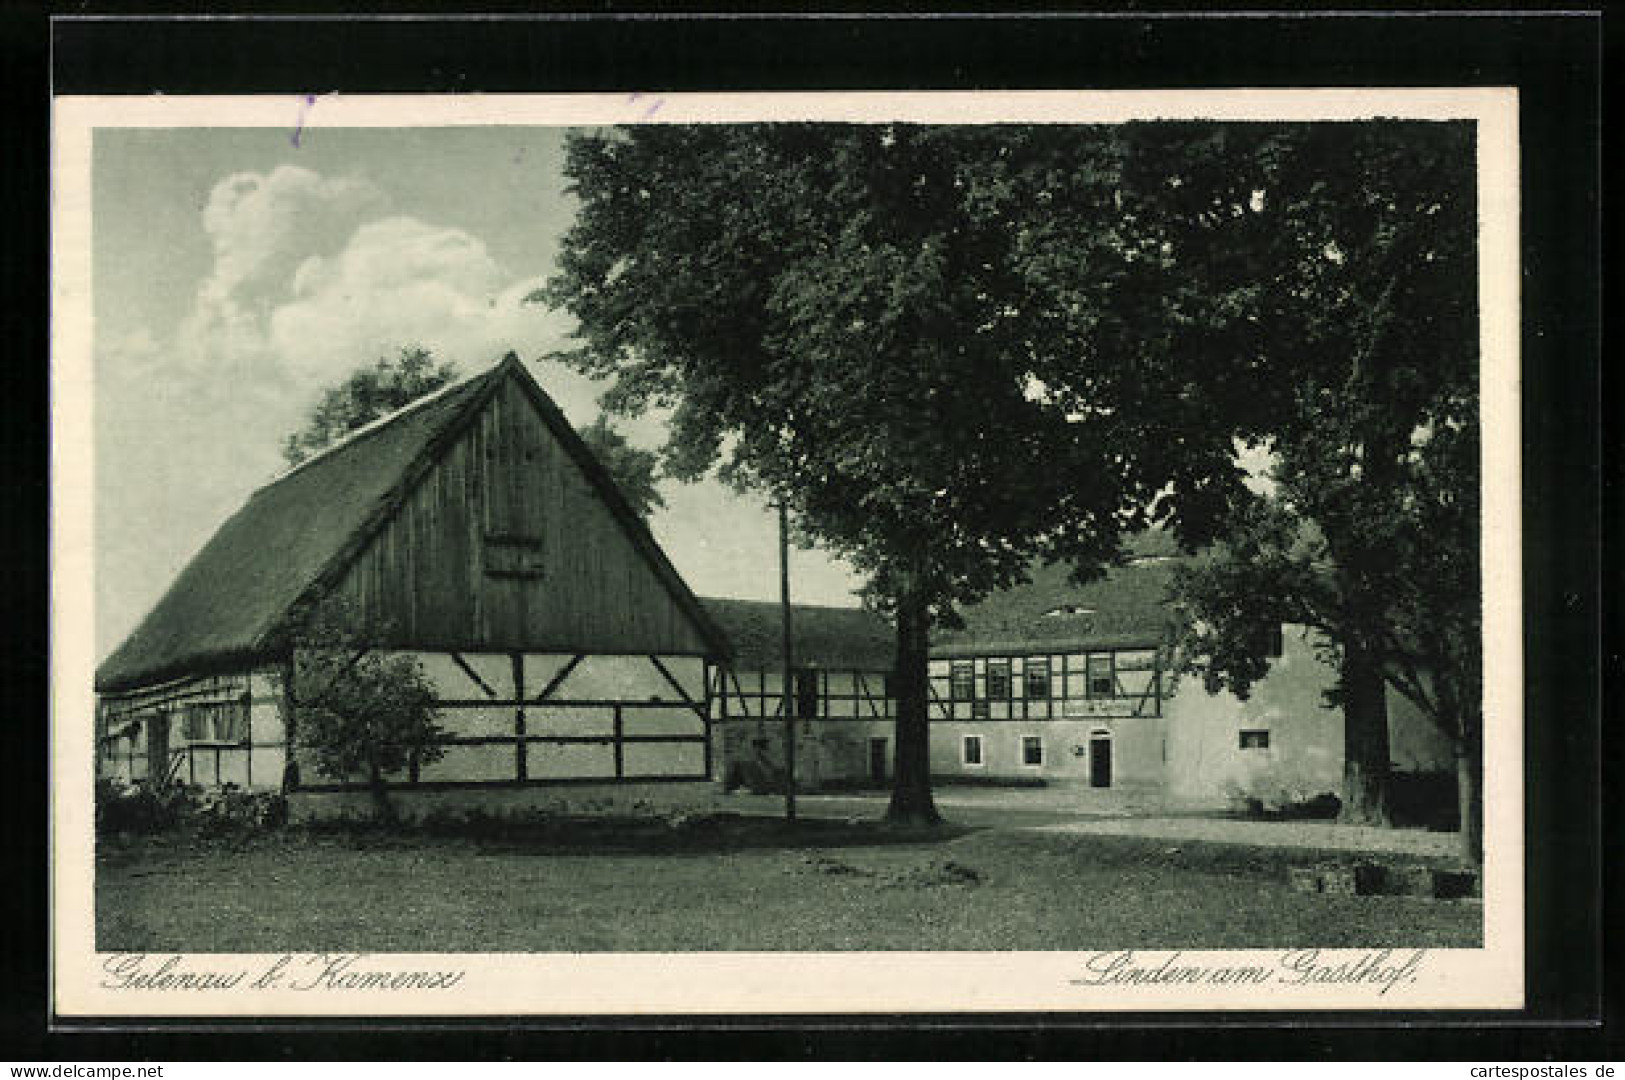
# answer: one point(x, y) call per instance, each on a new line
point(158, 748)
point(877, 760)
point(1100, 761)
point(806, 684)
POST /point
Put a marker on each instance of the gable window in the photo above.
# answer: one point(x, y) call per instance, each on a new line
point(970, 750)
point(1038, 676)
point(1032, 750)
point(998, 680)
point(962, 681)
point(1255, 740)
point(510, 555)
point(1101, 683)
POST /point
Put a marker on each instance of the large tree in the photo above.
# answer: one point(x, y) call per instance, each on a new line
point(948, 350)
point(1371, 530)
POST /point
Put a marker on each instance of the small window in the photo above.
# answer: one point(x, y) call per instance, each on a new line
point(1255, 740)
point(1267, 641)
point(1038, 677)
point(1032, 750)
point(998, 680)
point(962, 681)
point(509, 555)
point(1100, 675)
point(1068, 609)
point(971, 749)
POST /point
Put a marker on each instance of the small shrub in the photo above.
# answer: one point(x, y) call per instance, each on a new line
point(1278, 791)
point(229, 808)
point(142, 808)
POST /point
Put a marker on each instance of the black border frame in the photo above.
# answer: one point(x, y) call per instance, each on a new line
point(1554, 59)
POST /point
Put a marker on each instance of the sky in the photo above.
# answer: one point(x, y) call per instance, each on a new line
point(239, 272)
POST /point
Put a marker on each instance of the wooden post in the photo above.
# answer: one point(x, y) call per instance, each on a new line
point(248, 735)
point(787, 689)
point(521, 766)
point(715, 727)
point(620, 752)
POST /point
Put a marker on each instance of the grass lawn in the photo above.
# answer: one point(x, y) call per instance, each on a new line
point(747, 884)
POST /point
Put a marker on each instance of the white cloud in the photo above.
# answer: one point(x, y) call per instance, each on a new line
point(312, 278)
point(401, 281)
point(260, 225)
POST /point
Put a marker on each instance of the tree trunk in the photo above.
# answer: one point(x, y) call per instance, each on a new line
point(1470, 796)
point(911, 801)
point(383, 810)
point(1365, 738)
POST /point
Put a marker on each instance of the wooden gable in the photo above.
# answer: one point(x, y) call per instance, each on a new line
point(515, 540)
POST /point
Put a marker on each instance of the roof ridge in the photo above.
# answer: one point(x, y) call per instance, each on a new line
point(777, 603)
point(372, 427)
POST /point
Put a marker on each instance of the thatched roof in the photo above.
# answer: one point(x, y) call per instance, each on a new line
point(302, 529)
point(831, 638)
point(1127, 609)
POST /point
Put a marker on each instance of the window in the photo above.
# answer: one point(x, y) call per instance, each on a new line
point(970, 750)
point(1032, 750)
point(218, 721)
point(1255, 740)
point(1100, 675)
point(513, 556)
point(1068, 609)
point(199, 727)
point(962, 681)
point(998, 680)
point(1038, 677)
point(1271, 644)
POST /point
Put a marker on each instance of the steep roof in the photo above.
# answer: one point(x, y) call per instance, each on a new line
point(1126, 609)
point(297, 532)
point(832, 638)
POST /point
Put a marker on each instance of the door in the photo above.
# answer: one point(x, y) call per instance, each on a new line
point(158, 748)
point(806, 684)
point(877, 760)
point(1100, 761)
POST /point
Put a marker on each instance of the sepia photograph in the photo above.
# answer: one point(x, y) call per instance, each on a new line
point(637, 553)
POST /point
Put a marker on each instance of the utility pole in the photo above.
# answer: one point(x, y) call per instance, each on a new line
point(787, 707)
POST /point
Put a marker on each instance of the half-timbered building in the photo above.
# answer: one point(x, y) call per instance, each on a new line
point(474, 530)
point(840, 694)
point(1056, 681)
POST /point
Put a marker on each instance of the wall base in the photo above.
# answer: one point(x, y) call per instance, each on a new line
point(414, 804)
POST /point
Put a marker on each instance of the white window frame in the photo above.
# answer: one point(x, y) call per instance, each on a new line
point(1021, 751)
point(981, 750)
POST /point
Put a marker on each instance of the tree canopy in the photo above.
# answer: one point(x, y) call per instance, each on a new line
point(635, 470)
point(1371, 531)
point(948, 350)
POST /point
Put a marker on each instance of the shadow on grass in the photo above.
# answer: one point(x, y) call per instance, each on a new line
point(699, 834)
